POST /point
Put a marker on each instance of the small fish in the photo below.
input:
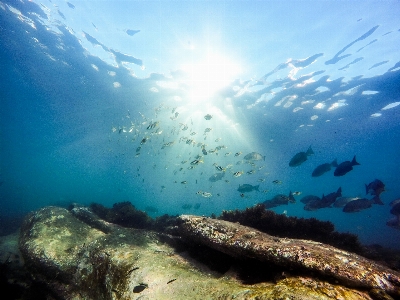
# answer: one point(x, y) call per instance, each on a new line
point(191, 167)
point(246, 188)
point(277, 181)
point(250, 172)
point(207, 130)
point(169, 144)
point(238, 174)
point(138, 149)
point(254, 156)
point(218, 139)
point(189, 141)
point(208, 117)
point(296, 193)
point(193, 133)
point(261, 180)
point(238, 154)
point(184, 182)
point(227, 153)
point(206, 195)
point(196, 162)
point(184, 126)
point(199, 192)
point(219, 168)
point(144, 140)
point(183, 162)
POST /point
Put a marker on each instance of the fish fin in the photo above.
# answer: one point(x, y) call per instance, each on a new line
point(334, 163)
point(354, 161)
point(309, 151)
point(256, 188)
point(377, 200)
point(339, 191)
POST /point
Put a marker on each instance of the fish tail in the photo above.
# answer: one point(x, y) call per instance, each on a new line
point(366, 189)
point(256, 187)
point(377, 200)
point(334, 163)
point(354, 161)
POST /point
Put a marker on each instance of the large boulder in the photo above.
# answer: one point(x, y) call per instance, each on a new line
point(240, 241)
point(75, 255)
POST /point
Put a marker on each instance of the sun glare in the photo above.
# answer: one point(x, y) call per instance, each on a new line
point(209, 75)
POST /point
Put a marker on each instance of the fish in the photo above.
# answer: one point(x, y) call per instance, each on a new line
point(169, 144)
point(216, 177)
point(250, 172)
point(345, 167)
point(208, 117)
point(227, 153)
point(300, 157)
point(196, 162)
point(326, 201)
point(254, 156)
point(357, 205)
point(276, 181)
point(395, 210)
point(237, 174)
point(322, 169)
point(375, 187)
point(207, 130)
point(296, 193)
point(151, 209)
point(309, 198)
point(144, 140)
point(152, 125)
point(184, 182)
point(342, 201)
point(394, 202)
point(206, 195)
point(246, 188)
point(204, 151)
point(186, 206)
point(238, 154)
point(278, 200)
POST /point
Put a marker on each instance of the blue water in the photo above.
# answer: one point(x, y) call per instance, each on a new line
point(82, 81)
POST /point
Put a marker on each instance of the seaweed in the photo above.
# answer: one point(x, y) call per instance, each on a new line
point(292, 227)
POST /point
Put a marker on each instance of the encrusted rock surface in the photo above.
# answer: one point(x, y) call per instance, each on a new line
point(75, 255)
point(241, 241)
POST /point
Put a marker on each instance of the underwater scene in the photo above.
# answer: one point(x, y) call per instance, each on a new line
point(203, 108)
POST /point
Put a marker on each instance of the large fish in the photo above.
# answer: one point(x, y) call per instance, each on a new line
point(254, 156)
point(245, 188)
point(345, 167)
point(375, 187)
point(300, 157)
point(342, 201)
point(357, 205)
point(322, 169)
point(309, 198)
point(326, 201)
point(395, 222)
point(279, 200)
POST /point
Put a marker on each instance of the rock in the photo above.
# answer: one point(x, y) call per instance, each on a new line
point(240, 241)
point(71, 259)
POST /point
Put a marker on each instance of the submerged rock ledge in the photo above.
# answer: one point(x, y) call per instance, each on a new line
point(241, 241)
point(76, 255)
